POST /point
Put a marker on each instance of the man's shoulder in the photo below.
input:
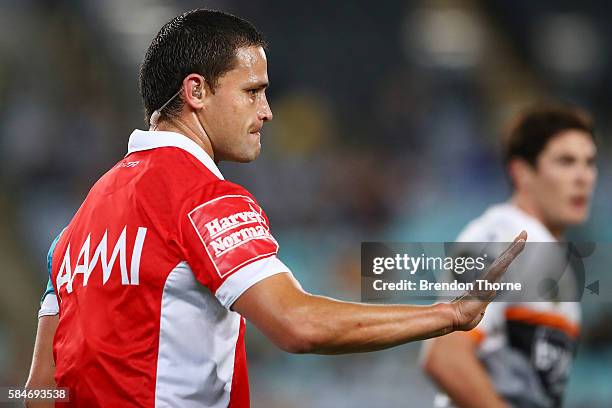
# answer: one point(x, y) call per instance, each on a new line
point(496, 223)
point(501, 223)
point(174, 165)
point(167, 182)
point(172, 173)
point(185, 172)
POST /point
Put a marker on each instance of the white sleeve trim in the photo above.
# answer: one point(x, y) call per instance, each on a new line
point(245, 277)
point(49, 306)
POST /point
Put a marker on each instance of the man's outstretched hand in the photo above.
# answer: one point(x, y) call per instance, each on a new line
point(469, 309)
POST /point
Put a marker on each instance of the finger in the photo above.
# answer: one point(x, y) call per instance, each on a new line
point(485, 296)
point(498, 268)
point(516, 247)
point(519, 243)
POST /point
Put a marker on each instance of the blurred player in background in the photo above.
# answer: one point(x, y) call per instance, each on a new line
point(520, 354)
point(154, 275)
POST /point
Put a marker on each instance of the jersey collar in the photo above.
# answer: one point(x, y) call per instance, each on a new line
point(147, 139)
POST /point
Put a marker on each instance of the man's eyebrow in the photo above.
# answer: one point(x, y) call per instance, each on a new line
point(258, 84)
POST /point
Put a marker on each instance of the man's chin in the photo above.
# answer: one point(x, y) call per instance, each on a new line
point(577, 218)
point(248, 157)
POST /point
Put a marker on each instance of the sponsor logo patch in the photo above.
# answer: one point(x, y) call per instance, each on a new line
point(234, 232)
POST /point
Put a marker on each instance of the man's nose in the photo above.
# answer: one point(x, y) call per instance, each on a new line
point(264, 112)
point(586, 175)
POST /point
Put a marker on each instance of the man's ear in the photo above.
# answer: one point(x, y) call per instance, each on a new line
point(194, 91)
point(521, 172)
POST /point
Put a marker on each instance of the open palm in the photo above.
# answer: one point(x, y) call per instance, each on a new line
point(470, 307)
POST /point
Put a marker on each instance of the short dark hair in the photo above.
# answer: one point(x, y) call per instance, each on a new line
point(198, 41)
point(529, 133)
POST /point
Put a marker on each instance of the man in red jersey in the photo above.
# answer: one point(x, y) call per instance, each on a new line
point(164, 260)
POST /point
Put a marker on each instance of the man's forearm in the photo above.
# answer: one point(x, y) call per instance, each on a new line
point(343, 327)
point(307, 323)
point(43, 367)
point(303, 323)
point(452, 363)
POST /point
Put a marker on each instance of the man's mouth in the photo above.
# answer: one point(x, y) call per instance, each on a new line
point(579, 201)
point(257, 128)
point(256, 131)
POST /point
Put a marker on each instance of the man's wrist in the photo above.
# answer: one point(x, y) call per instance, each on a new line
point(449, 315)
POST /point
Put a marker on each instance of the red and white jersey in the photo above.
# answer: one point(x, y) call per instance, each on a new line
point(146, 273)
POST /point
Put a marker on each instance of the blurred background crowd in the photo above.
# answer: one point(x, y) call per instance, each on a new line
point(387, 118)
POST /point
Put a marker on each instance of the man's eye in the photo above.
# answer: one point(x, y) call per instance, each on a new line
point(565, 160)
point(253, 92)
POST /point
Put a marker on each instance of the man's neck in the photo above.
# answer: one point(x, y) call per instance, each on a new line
point(193, 132)
point(528, 207)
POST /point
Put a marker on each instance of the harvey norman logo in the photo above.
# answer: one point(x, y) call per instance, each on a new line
point(226, 232)
point(234, 232)
point(85, 264)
